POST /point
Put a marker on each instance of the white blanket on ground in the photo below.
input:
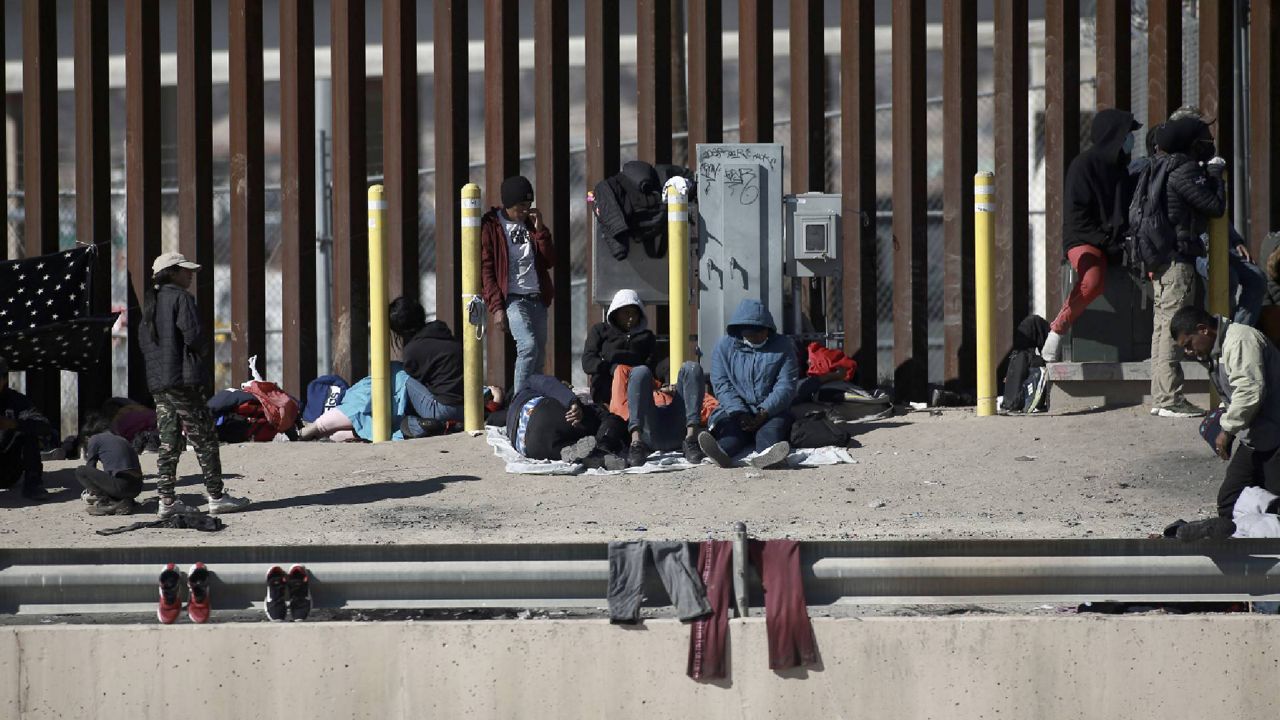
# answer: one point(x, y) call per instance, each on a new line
point(658, 462)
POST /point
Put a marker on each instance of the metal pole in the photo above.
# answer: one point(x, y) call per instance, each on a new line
point(740, 568)
point(1240, 160)
point(379, 342)
point(1219, 301)
point(678, 274)
point(473, 313)
point(984, 289)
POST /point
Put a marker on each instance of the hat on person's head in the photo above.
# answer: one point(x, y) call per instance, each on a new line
point(516, 190)
point(173, 259)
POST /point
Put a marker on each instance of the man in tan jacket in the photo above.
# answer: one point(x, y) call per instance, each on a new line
point(1245, 368)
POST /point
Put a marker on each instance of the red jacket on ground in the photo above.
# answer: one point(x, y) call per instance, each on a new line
point(494, 262)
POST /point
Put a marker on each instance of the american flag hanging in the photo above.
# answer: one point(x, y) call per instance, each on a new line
point(44, 303)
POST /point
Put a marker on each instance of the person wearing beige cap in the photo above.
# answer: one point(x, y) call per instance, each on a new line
point(172, 346)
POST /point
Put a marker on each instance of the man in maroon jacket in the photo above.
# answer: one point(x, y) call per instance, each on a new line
point(515, 269)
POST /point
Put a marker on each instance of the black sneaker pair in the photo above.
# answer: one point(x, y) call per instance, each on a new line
point(288, 593)
point(108, 506)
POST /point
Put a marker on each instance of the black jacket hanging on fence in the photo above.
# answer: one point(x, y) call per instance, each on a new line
point(630, 208)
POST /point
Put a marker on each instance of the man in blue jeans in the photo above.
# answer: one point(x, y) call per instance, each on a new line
point(665, 427)
point(753, 376)
point(516, 257)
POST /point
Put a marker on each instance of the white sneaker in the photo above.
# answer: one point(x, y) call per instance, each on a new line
point(90, 497)
point(227, 504)
point(772, 455)
point(1052, 350)
point(177, 507)
point(1181, 409)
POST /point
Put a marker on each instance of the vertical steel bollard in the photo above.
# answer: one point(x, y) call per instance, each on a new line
point(473, 313)
point(1219, 298)
point(379, 341)
point(678, 275)
point(984, 280)
point(740, 568)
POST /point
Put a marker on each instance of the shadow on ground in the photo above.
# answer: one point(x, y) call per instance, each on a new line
point(365, 494)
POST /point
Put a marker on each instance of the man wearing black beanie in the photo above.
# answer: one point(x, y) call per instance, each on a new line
point(515, 271)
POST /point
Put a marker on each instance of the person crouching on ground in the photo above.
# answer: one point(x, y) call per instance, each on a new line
point(1245, 368)
point(1095, 216)
point(21, 427)
point(753, 376)
point(623, 340)
point(516, 257)
point(433, 360)
point(110, 490)
point(546, 421)
point(172, 346)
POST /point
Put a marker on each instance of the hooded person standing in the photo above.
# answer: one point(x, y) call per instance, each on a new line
point(622, 340)
point(516, 257)
point(1193, 194)
point(1095, 216)
point(754, 373)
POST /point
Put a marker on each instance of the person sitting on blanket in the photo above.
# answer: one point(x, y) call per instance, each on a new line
point(110, 490)
point(622, 341)
point(546, 421)
point(753, 376)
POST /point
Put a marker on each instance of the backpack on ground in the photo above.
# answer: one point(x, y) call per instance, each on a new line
point(323, 393)
point(1152, 239)
point(1026, 379)
point(816, 430)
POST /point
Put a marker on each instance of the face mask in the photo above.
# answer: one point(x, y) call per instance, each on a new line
point(755, 346)
point(1128, 144)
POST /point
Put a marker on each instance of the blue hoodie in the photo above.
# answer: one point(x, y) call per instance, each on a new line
point(747, 379)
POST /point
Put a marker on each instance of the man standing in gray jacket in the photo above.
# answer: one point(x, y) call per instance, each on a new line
point(1245, 368)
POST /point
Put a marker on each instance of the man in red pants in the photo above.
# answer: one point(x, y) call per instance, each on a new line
point(1095, 213)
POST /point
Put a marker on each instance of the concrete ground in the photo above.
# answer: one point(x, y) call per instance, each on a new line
point(1114, 473)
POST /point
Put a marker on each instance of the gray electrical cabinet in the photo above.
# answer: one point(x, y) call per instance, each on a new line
point(740, 234)
point(1117, 326)
point(813, 235)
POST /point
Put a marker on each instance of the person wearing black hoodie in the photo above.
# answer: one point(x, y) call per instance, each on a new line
point(433, 360)
point(1095, 216)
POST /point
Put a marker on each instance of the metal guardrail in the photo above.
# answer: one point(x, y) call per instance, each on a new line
point(576, 575)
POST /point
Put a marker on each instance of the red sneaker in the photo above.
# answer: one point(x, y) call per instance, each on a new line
point(198, 600)
point(170, 604)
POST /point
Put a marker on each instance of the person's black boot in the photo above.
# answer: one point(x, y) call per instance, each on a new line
point(1218, 528)
point(638, 454)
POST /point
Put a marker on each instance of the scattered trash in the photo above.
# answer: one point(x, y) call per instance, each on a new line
point(1025, 458)
point(874, 504)
point(640, 528)
point(919, 406)
point(751, 475)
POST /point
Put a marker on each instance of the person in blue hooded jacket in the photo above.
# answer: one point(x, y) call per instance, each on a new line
point(753, 375)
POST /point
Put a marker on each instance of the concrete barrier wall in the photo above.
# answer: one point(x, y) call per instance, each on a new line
point(955, 668)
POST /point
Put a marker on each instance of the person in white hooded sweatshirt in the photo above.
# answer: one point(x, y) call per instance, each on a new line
point(624, 341)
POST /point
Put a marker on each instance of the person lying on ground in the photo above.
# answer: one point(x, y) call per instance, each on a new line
point(433, 360)
point(753, 376)
point(111, 489)
point(352, 419)
point(546, 421)
point(623, 340)
point(1245, 368)
point(21, 429)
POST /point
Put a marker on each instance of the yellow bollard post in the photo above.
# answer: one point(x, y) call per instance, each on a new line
point(1219, 299)
point(379, 341)
point(984, 288)
point(678, 275)
point(473, 314)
